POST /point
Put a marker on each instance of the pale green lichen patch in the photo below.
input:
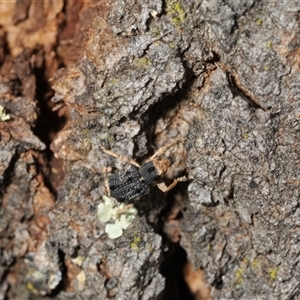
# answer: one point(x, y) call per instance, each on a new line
point(156, 31)
point(120, 217)
point(35, 274)
point(269, 44)
point(114, 80)
point(143, 62)
point(255, 264)
point(31, 288)
point(245, 135)
point(172, 45)
point(176, 12)
point(239, 276)
point(266, 67)
point(105, 210)
point(259, 22)
point(134, 245)
point(3, 116)
point(273, 272)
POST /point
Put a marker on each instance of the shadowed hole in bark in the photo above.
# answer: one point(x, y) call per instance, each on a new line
point(64, 273)
point(168, 206)
point(218, 282)
point(151, 117)
point(172, 269)
point(5, 181)
point(48, 123)
point(167, 224)
point(175, 263)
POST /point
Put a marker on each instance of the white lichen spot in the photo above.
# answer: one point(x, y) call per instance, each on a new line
point(105, 210)
point(54, 279)
point(36, 274)
point(120, 215)
point(154, 13)
point(78, 260)
point(81, 278)
point(113, 231)
point(3, 116)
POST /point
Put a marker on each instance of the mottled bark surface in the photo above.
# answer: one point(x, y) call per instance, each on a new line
point(132, 76)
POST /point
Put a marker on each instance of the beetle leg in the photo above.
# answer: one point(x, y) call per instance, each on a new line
point(120, 157)
point(123, 210)
point(163, 187)
point(105, 171)
point(163, 149)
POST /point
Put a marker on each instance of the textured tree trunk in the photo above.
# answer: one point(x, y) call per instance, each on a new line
point(132, 76)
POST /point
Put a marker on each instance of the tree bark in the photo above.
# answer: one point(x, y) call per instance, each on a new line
point(132, 76)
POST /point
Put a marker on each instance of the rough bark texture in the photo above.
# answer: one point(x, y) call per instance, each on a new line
point(223, 76)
